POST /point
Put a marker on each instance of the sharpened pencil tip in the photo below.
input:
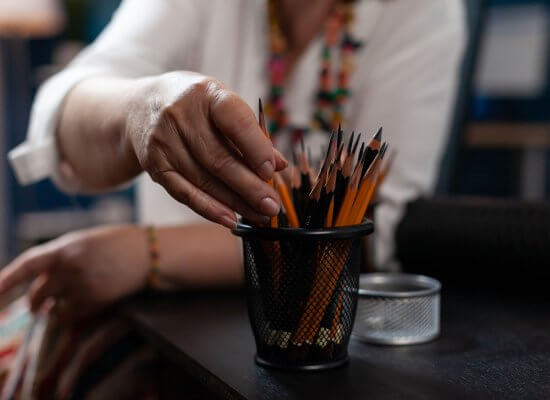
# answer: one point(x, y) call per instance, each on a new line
point(339, 152)
point(361, 150)
point(365, 155)
point(356, 143)
point(350, 142)
point(383, 150)
point(331, 140)
point(260, 107)
point(378, 135)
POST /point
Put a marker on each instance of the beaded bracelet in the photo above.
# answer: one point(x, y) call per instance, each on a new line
point(153, 279)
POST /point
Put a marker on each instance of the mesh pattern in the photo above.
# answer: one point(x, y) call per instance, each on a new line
point(398, 320)
point(302, 298)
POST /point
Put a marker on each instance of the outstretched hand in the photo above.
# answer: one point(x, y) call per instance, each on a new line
point(81, 272)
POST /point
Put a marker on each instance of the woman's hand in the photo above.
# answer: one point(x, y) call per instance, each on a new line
point(83, 271)
point(203, 144)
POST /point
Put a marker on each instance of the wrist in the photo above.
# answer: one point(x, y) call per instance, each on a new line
point(142, 103)
point(153, 277)
point(157, 278)
point(138, 257)
point(147, 103)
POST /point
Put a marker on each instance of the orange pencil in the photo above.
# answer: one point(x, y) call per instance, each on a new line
point(274, 222)
point(336, 327)
point(367, 189)
point(351, 193)
point(330, 213)
point(287, 203)
point(329, 195)
point(371, 151)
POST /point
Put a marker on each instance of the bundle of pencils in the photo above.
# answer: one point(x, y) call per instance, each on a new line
point(336, 195)
point(304, 301)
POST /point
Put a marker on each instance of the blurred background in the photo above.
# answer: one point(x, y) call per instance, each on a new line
point(37, 38)
point(500, 132)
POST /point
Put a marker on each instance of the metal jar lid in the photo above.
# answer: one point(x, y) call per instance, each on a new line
point(397, 309)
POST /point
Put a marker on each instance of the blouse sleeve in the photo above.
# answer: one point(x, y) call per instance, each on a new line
point(413, 58)
point(144, 38)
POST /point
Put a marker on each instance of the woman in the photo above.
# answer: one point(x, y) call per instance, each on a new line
point(168, 89)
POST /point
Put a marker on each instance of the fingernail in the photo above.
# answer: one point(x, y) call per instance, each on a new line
point(229, 222)
point(269, 206)
point(266, 170)
point(261, 220)
point(281, 157)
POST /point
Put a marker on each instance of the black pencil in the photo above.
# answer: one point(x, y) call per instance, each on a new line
point(372, 150)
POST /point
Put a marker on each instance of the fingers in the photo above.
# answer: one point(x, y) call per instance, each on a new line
point(26, 266)
point(214, 173)
point(184, 191)
point(236, 121)
point(235, 174)
point(215, 153)
point(212, 186)
point(43, 288)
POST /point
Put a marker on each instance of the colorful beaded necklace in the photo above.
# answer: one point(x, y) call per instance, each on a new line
point(330, 99)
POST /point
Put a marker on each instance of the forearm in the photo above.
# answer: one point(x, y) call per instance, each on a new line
point(104, 118)
point(199, 256)
point(91, 133)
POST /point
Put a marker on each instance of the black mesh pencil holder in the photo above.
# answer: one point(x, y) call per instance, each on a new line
point(302, 288)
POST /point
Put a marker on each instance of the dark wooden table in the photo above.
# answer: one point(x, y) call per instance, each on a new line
point(492, 346)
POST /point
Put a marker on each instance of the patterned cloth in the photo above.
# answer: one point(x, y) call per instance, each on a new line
point(14, 321)
point(100, 358)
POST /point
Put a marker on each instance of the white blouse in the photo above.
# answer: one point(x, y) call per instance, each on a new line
point(405, 81)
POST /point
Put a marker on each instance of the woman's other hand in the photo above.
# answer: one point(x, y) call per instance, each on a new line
point(81, 272)
point(203, 144)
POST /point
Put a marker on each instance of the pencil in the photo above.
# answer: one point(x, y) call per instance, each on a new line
point(349, 197)
point(340, 136)
point(325, 161)
point(313, 205)
point(331, 184)
point(336, 326)
point(366, 190)
point(350, 144)
point(356, 143)
point(372, 150)
point(287, 203)
point(361, 151)
point(344, 176)
point(304, 170)
point(325, 198)
point(330, 214)
point(274, 223)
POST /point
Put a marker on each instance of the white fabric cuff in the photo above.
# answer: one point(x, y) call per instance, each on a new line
point(32, 162)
